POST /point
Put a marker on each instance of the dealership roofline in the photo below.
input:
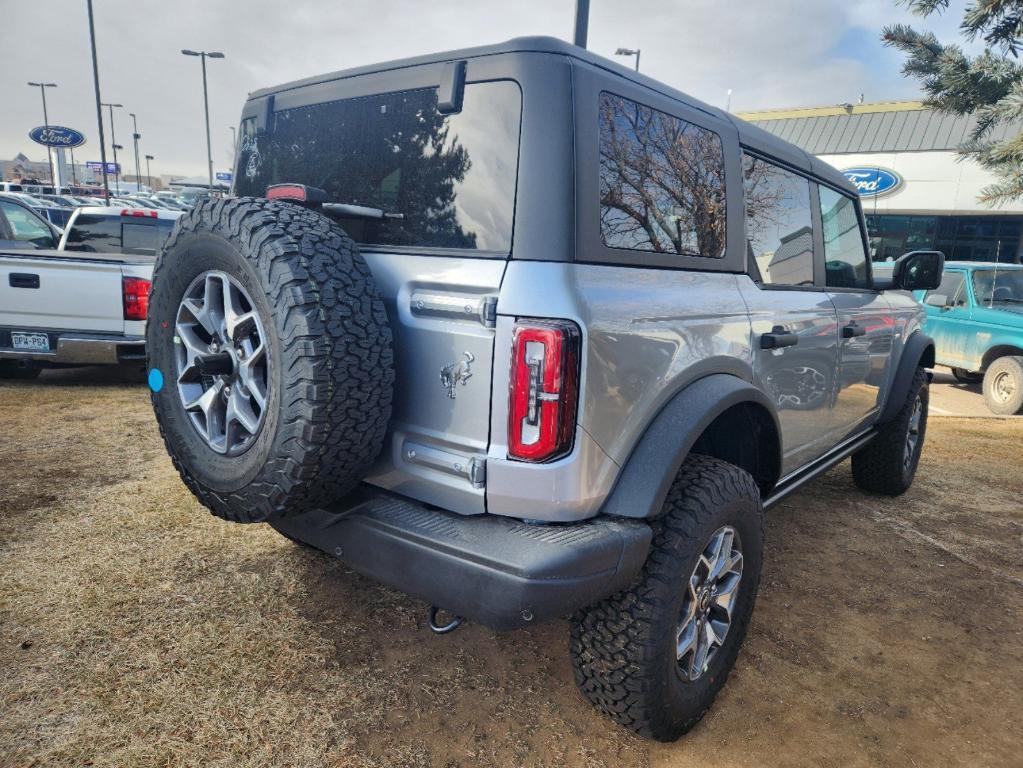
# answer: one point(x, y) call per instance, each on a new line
point(834, 110)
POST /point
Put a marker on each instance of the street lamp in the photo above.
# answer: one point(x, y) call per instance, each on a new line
point(149, 178)
point(203, 55)
point(629, 52)
point(46, 121)
point(136, 136)
point(234, 147)
point(99, 108)
point(114, 144)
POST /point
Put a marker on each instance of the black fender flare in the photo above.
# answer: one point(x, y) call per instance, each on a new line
point(651, 468)
point(918, 350)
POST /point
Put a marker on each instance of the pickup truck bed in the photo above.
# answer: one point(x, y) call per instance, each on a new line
point(68, 308)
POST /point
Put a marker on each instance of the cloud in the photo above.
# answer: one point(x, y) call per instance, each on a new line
point(772, 54)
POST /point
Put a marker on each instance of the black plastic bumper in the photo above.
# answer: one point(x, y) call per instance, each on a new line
point(495, 570)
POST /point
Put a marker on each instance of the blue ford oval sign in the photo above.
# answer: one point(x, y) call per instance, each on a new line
point(871, 182)
point(56, 136)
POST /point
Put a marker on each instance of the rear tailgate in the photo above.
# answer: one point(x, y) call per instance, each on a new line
point(60, 293)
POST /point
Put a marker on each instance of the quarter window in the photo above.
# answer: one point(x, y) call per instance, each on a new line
point(845, 259)
point(662, 182)
point(779, 230)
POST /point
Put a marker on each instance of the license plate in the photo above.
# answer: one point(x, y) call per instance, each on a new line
point(30, 342)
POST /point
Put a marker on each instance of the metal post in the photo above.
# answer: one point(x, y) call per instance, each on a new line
point(74, 181)
point(135, 135)
point(149, 176)
point(234, 148)
point(206, 107)
point(113, 146)
point(582, 22)
point(49, 151)
point(99, 108)
point(637, 59)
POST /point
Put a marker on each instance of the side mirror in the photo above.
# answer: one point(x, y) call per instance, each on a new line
point(936, 300)
point(914, 271)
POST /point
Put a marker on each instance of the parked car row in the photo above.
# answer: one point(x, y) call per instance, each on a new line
point(77, 296)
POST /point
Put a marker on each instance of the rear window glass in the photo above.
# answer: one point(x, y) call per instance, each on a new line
point(662, 182)
point(101, 233)
point(450, 177)
point(145, 238)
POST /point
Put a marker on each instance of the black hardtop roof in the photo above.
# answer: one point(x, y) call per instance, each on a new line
point(748, 134)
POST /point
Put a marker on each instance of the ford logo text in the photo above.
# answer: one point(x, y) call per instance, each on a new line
point(56, 136)
point(871, 182)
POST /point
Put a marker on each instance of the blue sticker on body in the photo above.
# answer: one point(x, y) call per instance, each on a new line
point(155, 380)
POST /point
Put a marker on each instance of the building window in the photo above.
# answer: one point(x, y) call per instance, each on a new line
point(779, 233)
point(960, 238)
point(845, 260)
point(662, 182)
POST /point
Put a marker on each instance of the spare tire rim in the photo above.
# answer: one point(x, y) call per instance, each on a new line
point(913, 434)
point(223, 366)
point(709, 603)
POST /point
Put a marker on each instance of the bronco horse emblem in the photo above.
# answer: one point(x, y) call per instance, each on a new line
point(460, 372)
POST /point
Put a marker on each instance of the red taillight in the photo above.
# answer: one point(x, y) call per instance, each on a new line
point(135, 293)
point(544, 386)
point(296, 193)
point(138, 212)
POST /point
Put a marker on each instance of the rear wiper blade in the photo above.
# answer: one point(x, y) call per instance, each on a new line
point(350, 211)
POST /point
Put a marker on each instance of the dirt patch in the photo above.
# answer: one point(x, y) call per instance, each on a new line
point(136, 629)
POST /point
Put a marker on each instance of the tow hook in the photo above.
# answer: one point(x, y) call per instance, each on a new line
point(451, 626)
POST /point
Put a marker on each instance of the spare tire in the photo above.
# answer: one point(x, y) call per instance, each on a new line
point(271, 366)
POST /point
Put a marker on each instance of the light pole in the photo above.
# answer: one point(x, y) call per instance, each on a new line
point(136, 136)
point(234, 147)
point(629, 52)
point(99, 108)
point(149, 178)
point(114, 144)
point(582, 22)
point(46, 121)
point(203, 55)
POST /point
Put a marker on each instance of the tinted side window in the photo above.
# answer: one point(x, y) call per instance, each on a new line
point(145, 238)
point(662, 182)
point(779, 232)
point(451, 177)
point(845, 259)
point(95, 233)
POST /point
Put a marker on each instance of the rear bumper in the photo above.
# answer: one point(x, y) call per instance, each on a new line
point(76, 348)
point(495, 570)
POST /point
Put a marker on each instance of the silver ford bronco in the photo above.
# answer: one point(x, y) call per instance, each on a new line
point(527, 334)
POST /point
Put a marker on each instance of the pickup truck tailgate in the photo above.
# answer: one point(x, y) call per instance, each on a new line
point(60, 293)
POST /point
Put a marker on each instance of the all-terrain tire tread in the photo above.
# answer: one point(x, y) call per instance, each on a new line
point(336, 350)
point(878, 466)
point(614, 641)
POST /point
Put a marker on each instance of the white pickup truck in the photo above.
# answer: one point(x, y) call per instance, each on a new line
point(77, 297)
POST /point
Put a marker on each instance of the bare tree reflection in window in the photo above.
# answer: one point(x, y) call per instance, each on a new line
point(662, 182)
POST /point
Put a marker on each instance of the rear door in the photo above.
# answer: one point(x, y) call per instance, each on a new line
point(865, 321)
point(793, 320)
point(444, 182)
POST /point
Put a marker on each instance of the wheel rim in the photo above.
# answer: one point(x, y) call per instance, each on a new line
point(1003, 387)
point(216, 317)
point(913, 435)
point(709, 603)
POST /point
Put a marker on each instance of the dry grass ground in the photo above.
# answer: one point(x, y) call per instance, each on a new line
point(136, 629)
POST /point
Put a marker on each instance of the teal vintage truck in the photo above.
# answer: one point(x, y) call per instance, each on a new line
point(976, 320)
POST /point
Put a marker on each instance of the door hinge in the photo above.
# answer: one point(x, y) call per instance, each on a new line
point(488, 313)
point(478, 472)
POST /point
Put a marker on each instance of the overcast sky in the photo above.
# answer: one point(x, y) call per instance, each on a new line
point(771, 53)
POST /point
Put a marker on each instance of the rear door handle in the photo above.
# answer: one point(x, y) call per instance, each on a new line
point(23, 280)
point(852, 330)
point(778, 337)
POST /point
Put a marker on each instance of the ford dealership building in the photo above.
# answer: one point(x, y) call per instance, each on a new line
point(917, 193)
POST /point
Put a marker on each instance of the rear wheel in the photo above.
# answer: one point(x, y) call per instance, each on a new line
point(270, 357)
point(654, 656)
point(888, 463)
point(967, 377)
point(1003, 386)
